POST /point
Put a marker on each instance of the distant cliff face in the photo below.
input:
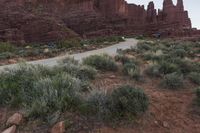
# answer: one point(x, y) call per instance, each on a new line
point(51, 20)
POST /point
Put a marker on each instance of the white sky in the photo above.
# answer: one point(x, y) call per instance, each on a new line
point(193, 7)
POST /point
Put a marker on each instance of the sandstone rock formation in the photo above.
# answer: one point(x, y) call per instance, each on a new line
point(52, 20)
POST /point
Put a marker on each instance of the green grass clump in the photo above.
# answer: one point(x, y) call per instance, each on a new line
point(172, 81)
point(132, 69)
point(195, 77)
point(6, 47)
point(101, 62)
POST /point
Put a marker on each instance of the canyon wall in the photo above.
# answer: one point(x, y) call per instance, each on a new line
point(53, 20)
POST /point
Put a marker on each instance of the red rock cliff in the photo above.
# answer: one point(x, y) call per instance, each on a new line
point(51, 20)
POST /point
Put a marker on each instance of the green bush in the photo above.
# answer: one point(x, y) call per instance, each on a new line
point(172, 81)
point(101, 62)
point(195, 77)
point(6, 47)
point(128, 100)
point(132, 70)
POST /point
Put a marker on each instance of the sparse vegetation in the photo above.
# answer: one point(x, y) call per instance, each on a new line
point(101, 62)
point(9, 51)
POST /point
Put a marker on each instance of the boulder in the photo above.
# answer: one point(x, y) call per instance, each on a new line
point(11, 129)
point(15, 119)
point(59, 127)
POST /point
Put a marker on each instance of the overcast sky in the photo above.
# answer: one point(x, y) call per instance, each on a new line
point(193, 7)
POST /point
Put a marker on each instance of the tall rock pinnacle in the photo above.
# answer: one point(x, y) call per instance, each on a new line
point(180, 5)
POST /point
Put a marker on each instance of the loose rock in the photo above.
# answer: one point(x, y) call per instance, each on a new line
point(15, 119)
point(58, 128)
point(10, 129)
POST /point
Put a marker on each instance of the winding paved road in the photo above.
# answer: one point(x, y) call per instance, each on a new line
point(111, 50)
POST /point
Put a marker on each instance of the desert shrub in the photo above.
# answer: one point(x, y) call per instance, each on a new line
point(123, 101)
point(167, 67)
point(128, 100)
point(13, 81)
point(98, 103)
point(86, 72)
point(132, 70)
point(185, 66)
point(122, 58)
point(102, 40)
point(195, 77)
point(179, 52)
point(68, 60)
point(41, 90)
point(59, 92)
point(153, 70)
point(143, 46)
point(6, 55)
point(74, 42)
point(101, 62)
point(6, 47)
point(77, 70)
point(172, 81)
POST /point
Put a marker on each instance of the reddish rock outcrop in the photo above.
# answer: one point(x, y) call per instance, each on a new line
point(52, 20)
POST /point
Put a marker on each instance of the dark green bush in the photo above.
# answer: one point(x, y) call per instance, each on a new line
point(172, 81)
point(195, 77)
point(101, 62)
point(128, 100)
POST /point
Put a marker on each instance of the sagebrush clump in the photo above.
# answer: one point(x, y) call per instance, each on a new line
point(101, 62)
point(172, 81)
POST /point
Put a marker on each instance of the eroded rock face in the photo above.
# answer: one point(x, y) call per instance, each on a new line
point(51, 20)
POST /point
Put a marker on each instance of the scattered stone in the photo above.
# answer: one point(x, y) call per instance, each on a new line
point(10, 129)
point(58, 128)
point(46, 50)
point(12, 61)
point(15, 119)
point(165, 124)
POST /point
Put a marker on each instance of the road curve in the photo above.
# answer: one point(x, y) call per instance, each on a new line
point(111, 50)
